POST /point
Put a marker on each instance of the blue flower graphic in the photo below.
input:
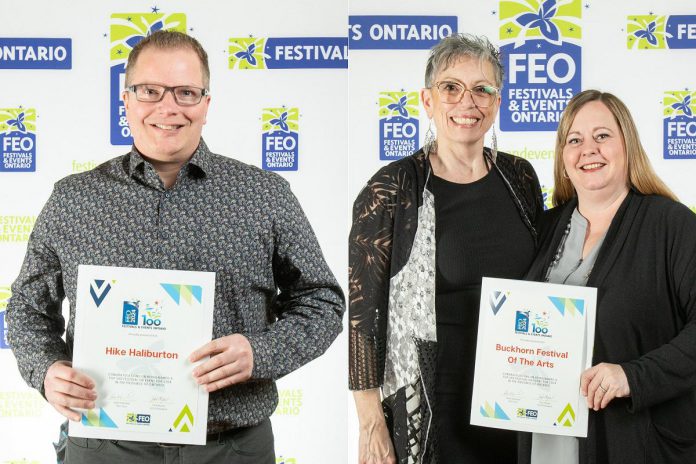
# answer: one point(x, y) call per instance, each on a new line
point(133, 41)
point(542, 20)
point(248, 54)
point(400, 107)
point(684, 106)
point(280, 122)
point(647, 33)
point(18, 123)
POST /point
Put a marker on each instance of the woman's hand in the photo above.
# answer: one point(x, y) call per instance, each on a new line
point(374, 445)
point(602, 383)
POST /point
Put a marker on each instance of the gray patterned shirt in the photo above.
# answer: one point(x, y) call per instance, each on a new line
point(222, 216)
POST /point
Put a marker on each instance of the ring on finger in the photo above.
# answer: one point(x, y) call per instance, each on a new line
point(603, 389)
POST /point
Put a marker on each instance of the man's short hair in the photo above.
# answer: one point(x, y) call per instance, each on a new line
point(169, 40)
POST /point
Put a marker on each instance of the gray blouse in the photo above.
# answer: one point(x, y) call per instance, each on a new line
point(570, 268)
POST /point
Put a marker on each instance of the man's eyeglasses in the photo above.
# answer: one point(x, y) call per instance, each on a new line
point(453, 92)
point(184, 95)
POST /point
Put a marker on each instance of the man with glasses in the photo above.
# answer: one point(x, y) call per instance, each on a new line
point(172, 204)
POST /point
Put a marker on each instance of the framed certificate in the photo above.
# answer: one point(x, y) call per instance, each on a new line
point(534, 341)
point(134, 331)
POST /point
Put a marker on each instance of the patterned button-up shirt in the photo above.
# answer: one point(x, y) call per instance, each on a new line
point(272, 283)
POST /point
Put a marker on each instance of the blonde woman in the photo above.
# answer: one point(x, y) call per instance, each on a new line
point(616, 226)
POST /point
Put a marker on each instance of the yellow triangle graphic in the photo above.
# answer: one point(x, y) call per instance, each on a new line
point(186, 293)
point(93, 417)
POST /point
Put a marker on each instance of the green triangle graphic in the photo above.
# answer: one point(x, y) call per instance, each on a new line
point(185, 413)
point(567, 416)
point(186, 293)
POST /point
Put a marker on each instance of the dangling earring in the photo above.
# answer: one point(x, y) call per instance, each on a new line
point(429, 141)
point(494, 143)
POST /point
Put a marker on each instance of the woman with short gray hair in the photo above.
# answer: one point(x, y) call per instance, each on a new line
point(425, 230)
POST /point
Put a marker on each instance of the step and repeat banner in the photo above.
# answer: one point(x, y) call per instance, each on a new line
point(279, 101)
point(285, 97)
point(642, 51)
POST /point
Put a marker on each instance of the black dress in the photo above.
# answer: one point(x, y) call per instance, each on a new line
point(479, 232)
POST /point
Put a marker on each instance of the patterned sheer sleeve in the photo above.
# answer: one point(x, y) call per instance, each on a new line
point(370, 257)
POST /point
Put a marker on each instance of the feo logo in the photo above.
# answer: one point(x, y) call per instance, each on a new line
point(398, 124)
point(280, 138)
point(399, 32)
point(138, 419)
point(523, 413)
point(33, 53)
point(4, 299)
point(542, 62)
point(679, 125)
point(656, 32)
point(287, 52)
point(18, 139)
point(127, 29)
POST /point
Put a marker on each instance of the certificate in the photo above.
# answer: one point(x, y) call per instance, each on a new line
point(134, 331)
point(534, 341)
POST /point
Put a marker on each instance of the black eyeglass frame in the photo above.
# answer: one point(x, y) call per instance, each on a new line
point(133, 88)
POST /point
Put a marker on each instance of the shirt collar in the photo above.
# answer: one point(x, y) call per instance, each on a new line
point(200, 160)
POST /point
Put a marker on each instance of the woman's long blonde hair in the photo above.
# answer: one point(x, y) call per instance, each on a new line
point(641, 175)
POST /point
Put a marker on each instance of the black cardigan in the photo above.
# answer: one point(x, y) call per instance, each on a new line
point(645, 274)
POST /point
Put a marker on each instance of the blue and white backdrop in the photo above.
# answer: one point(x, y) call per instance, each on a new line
point(279, 101)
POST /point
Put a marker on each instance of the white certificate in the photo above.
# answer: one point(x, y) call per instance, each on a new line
point(534, 342)
point(134, 331)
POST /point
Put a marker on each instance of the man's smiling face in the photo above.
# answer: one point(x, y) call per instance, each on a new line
point(165, 131)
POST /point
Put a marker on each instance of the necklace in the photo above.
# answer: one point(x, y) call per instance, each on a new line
point(559, 252)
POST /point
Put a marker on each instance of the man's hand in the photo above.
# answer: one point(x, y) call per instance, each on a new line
point(67, 388)
point(231, 361)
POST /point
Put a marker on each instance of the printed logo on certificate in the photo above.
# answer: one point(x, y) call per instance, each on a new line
point(134, 331)
point(534, 341)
